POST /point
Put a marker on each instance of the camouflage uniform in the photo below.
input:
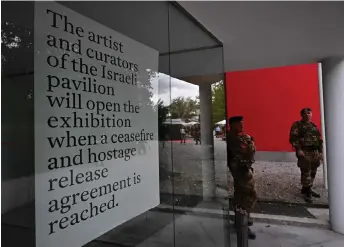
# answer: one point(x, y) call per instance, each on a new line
point(198, 136)
point(306, 137)
point(241, 157)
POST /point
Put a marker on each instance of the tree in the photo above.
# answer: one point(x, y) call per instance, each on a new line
point(183, 108)
point(162, 115)
point(16, 49)
point(218, 102)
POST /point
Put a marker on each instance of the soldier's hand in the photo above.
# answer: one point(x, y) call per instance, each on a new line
point(300, 153)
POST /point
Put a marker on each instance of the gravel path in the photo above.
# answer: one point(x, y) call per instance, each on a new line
point(281, 181)
point(277, 181)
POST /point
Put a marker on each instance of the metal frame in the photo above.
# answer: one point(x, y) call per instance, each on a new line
point(190, 50)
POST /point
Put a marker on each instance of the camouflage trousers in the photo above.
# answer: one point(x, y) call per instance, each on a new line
point(309, 165)
point(245, 195)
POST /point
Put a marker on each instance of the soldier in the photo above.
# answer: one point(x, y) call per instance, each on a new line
point(198, 135)
point(241, 150)
point(306, 140)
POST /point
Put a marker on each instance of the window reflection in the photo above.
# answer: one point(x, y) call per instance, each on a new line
point(16, 42)
point(182, 166)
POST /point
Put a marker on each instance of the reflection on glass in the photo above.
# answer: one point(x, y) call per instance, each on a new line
point(183, 97)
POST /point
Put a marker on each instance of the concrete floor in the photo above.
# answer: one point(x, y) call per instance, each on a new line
point(205, 232)
point(289, 236)
point(164, 229)
point(199, 231)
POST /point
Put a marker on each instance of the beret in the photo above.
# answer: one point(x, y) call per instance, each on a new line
point(235, 119)
point(304, 110)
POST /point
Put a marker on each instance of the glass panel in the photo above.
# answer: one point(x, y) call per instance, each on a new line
point(18, 218)
point(196, 65)
point(193, 175)
point(17, 124)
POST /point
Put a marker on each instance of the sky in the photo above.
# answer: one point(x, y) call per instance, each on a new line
point(179, 88)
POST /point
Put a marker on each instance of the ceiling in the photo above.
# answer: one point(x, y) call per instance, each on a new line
point(269, 34)
point(254, 34)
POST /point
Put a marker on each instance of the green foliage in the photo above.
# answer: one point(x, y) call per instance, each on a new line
point(16, 42)
point(218, 102)
point(184, 107)
point(162, 115)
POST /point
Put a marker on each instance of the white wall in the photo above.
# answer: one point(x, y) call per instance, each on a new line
point(333, 89)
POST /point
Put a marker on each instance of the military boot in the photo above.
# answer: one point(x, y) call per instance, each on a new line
point(303, 190)
point(315, 194)
point(307, 192)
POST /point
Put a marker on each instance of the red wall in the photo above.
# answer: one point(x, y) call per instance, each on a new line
point(271, 99)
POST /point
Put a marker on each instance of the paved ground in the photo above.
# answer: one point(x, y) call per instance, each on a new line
point(191, 230)
point(164, 229)
point(277, 181)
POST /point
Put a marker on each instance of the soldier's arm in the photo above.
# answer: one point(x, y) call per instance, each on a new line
point(321, 144)
point(294, 136)
point(247, 145)
point(321, 150)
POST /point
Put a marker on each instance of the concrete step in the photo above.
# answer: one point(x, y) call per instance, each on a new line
point(316, 222)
